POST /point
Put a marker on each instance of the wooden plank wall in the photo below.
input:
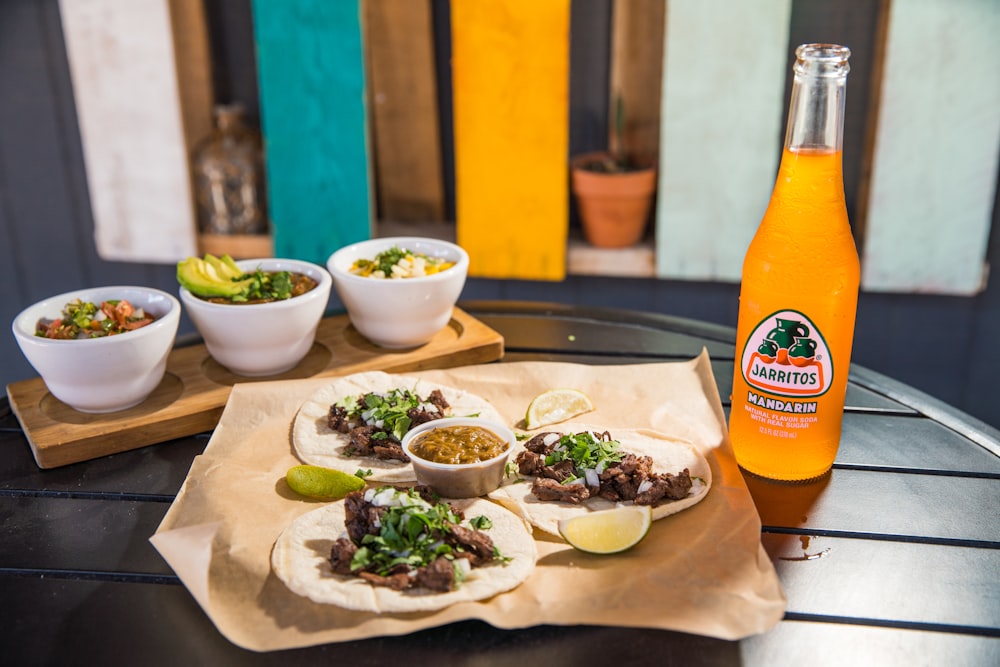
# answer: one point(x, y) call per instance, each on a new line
point(711, 116)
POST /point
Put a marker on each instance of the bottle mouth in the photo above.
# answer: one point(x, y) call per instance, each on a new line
point(822, 60)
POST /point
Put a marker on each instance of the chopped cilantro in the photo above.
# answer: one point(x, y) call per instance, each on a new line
point(585, 451)
point(410, 533)
point(386, 411)
point(275, 285)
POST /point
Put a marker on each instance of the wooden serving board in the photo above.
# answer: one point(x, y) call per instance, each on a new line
point(195, 389)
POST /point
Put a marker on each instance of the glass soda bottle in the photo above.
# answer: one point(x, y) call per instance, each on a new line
point(799, 292)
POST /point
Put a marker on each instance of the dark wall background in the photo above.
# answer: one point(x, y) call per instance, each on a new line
point(945, 346)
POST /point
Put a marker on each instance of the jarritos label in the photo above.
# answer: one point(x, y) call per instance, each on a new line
point(786, 355)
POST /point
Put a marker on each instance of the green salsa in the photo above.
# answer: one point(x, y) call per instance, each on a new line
point(458, 444)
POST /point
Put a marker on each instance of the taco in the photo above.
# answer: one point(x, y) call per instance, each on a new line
point(558, 475)
point(341, 427)
point(348, 553)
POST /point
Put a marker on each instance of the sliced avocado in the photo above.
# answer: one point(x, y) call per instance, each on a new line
point(202, 278)
point(228, 261)
point(225, 267)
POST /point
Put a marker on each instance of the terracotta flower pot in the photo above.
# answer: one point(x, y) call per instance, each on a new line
point(614, 207)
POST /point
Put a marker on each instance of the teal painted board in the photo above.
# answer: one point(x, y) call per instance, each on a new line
point(310, 64)
point(724, 70)
point(937, 143)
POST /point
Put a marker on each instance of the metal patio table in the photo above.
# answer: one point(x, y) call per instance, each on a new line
point(892, 558)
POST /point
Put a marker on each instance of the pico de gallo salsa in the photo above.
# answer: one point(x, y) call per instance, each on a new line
point(83, 319)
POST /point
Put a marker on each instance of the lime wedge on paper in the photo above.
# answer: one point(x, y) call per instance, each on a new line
point(556, 405)
point(608, 531)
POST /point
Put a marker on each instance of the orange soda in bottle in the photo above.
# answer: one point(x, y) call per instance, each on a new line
point(799, 292)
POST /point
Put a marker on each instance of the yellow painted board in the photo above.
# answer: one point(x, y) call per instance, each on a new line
point(510, 69)
point(142, 87)
point(724, 70)
point(936, 145)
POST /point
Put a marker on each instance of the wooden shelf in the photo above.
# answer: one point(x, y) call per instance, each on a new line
point(238, 246)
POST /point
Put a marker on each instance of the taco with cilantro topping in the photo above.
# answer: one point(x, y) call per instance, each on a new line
point(558, 475)
point(358, 422)
point(401, 550)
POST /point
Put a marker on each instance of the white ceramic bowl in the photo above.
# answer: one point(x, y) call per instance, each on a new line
point(404, 312)
point(102, 374)
point(260, 339)
point(460, 480)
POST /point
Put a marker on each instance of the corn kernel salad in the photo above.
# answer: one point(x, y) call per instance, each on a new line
point(399, 262)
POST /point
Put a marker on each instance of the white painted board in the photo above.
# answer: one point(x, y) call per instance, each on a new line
point(128, 103)
point(724, 74)
point(937, 143)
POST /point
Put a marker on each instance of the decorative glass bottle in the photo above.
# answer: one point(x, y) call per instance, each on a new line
point(229, 177)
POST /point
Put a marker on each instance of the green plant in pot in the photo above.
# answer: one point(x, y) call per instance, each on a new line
point(614, 194)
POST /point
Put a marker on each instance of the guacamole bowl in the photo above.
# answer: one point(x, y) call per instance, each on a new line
point(401, 312)
point(108, 373)
point(262, 339)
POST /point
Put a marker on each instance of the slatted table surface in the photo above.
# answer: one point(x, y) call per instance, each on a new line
point(893, 558)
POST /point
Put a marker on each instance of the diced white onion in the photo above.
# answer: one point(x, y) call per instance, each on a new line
point(463, 565)
point(600, 466)
point(385, 498)
point(579, 481)
point(645, 486)
point(591, 475)
point(550, 438)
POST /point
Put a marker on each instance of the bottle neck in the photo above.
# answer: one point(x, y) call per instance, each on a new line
point(816, 109)
point(229, 118)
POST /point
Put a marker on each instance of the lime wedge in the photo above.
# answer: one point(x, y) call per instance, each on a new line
point(556, 405)
point(322, 483)
point(608, 531)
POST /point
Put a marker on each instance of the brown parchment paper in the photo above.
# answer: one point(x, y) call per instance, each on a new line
point(701, 571)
